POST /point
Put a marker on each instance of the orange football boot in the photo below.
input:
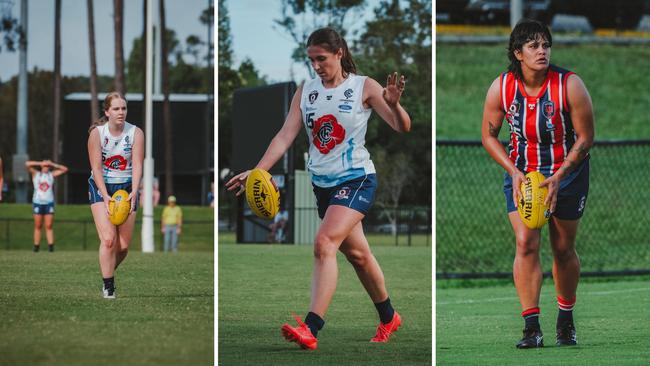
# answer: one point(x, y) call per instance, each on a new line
point(385, 330)
point(300, 334)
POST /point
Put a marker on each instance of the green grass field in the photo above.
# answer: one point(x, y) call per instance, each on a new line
point(53, 312)
point(480, 325)
point(74, 228)
point(620, 94)
point(260, 285)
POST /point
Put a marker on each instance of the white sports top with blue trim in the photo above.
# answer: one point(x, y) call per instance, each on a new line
point(43, 191)
point(336, 123)
point(116, 154)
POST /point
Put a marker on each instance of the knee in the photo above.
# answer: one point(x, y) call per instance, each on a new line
point(324, 247)
point(527, 245)
point(564, 253)
point(38, 225)
point(49, 226)
point(358, 258)
point(108, 241)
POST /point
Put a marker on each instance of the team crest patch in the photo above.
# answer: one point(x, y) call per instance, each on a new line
point(327, 133)
point(348, 93)
point(548, 108)
point(343, 193)
point(312, 96)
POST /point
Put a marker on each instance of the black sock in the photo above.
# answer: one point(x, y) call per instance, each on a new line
point(314, 322)
point(385, 310)
point(36, 247)
point(565, 314)
point(531, 317)
point(109, 283)
point(50, 247)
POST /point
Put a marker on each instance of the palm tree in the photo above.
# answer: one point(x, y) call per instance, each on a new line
point(118, 11)
point(94, 109)
point(167, 120)
point(57, 80)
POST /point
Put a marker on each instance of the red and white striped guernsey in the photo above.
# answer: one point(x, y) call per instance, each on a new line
point(541, 131)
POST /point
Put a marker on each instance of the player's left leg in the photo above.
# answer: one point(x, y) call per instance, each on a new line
point(566, 274)
point(38, 224)
point(357, 251)
point(49, 231)
point(124, 236)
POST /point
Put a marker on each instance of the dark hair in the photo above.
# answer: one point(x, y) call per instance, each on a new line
point(107, 104)
point(331, 40)
point(525, 31)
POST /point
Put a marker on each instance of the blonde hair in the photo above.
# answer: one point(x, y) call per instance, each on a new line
point(107, 104)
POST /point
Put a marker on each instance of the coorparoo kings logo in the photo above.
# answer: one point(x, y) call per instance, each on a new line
point(313, 96)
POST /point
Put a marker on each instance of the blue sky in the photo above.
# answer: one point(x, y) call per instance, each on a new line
point(182, 16)
point(255, 36)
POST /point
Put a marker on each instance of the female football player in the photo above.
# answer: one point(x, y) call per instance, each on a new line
point(116, 154)
point(43, 198)
point(551, 121)
point(334, 108)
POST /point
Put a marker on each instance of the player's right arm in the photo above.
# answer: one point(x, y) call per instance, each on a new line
point(95, 157)
point(493, 116)
point(279, 145)
point(31, 164)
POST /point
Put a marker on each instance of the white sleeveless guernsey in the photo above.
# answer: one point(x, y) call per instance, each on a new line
point(116, 154)
point(43, 191)
point(336, 123)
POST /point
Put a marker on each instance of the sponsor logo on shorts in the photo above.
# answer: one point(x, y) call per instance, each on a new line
point(343, 193)
point(363, 199)
point(581, 206)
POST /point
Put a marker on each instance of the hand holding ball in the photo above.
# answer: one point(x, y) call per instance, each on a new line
point(532, 210)
point(119, 207)
point(262, 194)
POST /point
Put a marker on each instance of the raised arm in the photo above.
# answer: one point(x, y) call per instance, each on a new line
point(31, 166)
point(280, 143)
point(492, 121)
point(59, 169)
point(385, 101)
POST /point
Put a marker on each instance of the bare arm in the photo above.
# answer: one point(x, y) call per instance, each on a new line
point(31, 164)
point(59, 169)
point(137, 161)
point(95, 158)
point(385, 101)
point(492, 121)
point(280, 143)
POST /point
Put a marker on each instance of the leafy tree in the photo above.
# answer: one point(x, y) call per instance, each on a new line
point(314, 14)
point(10, 32)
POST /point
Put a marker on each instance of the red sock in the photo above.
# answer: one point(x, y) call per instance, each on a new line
point(531, 317)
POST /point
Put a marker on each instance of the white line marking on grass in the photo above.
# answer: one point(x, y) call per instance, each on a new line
point(510, 298)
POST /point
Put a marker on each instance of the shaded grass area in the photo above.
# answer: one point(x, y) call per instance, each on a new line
point(53, 312)
point(421, 240)
point(74, 228)
point(260, 285)
point(480, 325)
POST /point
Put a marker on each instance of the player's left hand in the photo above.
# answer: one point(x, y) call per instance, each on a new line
point(394, 89)
point(553, 184)
point(132, 199)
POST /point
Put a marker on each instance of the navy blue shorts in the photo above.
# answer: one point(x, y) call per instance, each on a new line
point(571, 199)
point(357, 194)
point(46, 209)
point(95, 196)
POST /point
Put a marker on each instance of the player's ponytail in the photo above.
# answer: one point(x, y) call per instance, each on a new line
point(332, 41)
point(106, 105)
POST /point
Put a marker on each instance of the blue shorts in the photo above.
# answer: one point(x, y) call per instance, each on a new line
point(357, 194)
point(95, 196)
point(571, 199)
point(46, 209)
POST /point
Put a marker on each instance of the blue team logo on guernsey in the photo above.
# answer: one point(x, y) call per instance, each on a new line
point(548, 108)
point(348, 93)
point(312, 96)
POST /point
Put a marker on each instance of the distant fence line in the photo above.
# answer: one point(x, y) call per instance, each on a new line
point(473, 234)
point(564, 40)
point(17, 233)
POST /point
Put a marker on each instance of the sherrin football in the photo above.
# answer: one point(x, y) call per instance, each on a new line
point(532, 210)
point(119, 207)
point(262, 194)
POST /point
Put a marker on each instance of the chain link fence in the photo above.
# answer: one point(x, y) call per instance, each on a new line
point(474, 237)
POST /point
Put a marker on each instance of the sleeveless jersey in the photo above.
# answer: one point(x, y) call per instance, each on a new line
point(43, 191)
point(541, 131)
point(336, 123)
point(116, 154)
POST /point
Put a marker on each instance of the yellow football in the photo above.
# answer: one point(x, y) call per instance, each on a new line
point(262, 194)
point(119, 208)
point(532, 210)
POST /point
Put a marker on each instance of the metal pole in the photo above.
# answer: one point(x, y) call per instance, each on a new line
point(21, 156)
point(147, 207)
point(157, 86)
point(516, 11)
